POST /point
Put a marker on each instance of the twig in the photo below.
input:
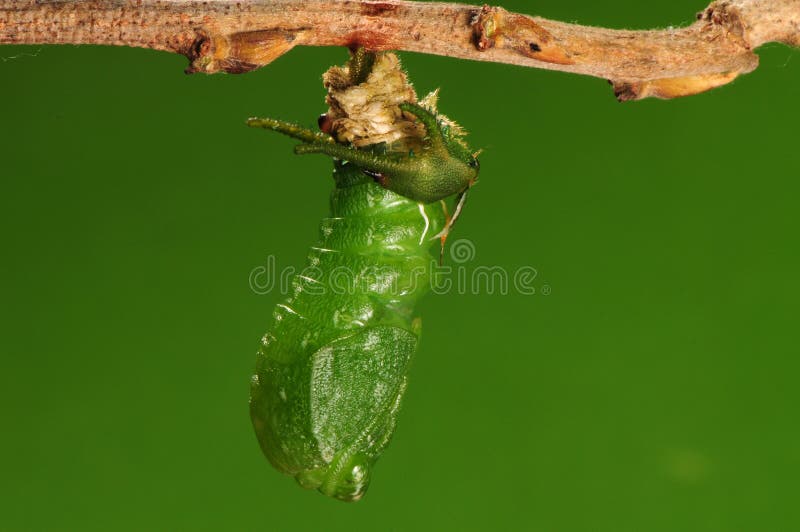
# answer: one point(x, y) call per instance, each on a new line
point(238, 36)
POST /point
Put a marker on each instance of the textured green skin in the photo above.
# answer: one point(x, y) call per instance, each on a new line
point(331, 372)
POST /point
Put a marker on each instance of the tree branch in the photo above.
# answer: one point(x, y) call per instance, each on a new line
point(239, 36)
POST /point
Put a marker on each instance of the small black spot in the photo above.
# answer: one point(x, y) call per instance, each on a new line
point(535, 47)
point(379, 178)
point(325, 123)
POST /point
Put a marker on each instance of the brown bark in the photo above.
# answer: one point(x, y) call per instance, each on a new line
point(238, 36)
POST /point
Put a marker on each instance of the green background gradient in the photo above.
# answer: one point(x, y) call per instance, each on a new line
point(654, 387)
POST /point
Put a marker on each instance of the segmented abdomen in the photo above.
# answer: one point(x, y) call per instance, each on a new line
point(331, 371)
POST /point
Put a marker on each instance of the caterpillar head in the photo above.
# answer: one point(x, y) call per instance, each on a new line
point(442, 167)
point(372, 123)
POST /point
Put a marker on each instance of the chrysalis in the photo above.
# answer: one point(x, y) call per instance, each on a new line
point(332, 370)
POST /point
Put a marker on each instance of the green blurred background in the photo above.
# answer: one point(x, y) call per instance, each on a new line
point(654, 388)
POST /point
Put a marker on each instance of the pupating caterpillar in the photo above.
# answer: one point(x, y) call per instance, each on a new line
point(332, 371)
